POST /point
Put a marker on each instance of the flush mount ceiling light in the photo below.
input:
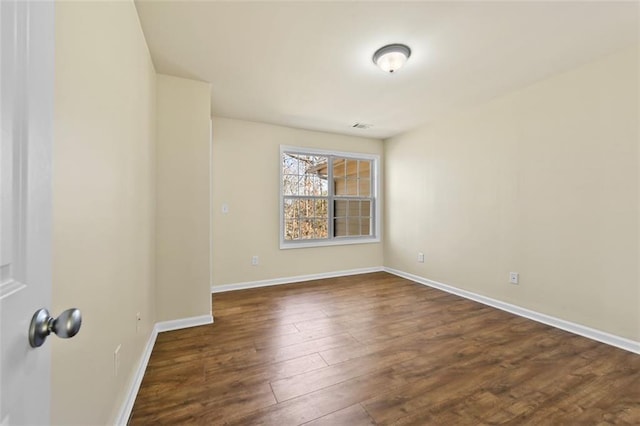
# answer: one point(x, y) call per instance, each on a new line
point(391, 57)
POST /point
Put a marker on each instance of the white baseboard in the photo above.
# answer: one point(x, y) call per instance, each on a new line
point(600, 336)
point(125, 411)
point(127, 406)
point(184, 323)
point(290, 280)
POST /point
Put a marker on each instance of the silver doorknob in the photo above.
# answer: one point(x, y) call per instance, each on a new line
point(42, 324)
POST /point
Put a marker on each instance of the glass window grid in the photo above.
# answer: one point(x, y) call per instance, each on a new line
point(331, 197)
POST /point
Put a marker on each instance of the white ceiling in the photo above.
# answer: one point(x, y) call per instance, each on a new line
point(308, 64)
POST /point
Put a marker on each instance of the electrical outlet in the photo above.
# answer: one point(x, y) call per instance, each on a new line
point(255, 260)
point(116, 360)
point(138, 319)
point(420, 257)
point(514, 277)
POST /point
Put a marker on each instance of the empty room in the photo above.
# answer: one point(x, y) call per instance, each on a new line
point(319, 213)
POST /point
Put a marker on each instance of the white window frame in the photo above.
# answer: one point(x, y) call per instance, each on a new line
point(333, 241)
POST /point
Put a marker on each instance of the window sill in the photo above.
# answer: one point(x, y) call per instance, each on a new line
point(337, 242)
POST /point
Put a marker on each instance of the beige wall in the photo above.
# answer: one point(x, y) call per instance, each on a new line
point(182, 215)
point(543, 182)
point(103, 211)
point(246, 176)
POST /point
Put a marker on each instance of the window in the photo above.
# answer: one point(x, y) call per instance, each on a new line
point(327, 198)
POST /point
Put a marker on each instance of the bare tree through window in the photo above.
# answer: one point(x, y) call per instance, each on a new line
point(306, 194)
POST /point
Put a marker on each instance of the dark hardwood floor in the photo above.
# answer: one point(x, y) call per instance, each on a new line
point(378, 349)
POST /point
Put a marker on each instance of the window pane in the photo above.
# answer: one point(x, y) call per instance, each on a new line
point(306, 208)
point(289, 164)
point(353, 226)
point(346, 186)
point(365, 208)
point(306, 185)
point(324, 186)
point(317, 185)
point(352, 168)
point(290, 209)
point(340, 227)
point(291, 230)
point(306, 229)
point(365, 187)
point(322, 210)
point(364, 169)
point(306, 219)
point(365, 226)
point(302, 186)
point(354, 208)
point(304, 174)
point(340, 208)
point(321, 228)
point(352, 187)
point(290, 184)
point(339, 185)
point(339, 167)
point(310, 185)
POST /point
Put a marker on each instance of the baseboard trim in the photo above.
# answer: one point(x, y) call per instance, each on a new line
point(590, 333)
point(290, 280)
point(127, 406)
point(125, 411)
point(183, 323)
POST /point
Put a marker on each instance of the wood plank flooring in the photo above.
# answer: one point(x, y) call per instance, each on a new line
point(376, 349)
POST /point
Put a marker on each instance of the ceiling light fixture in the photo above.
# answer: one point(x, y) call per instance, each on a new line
point(391, 57)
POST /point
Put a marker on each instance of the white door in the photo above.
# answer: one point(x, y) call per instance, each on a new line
point(26, 112)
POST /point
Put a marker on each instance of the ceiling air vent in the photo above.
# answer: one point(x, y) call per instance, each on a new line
point(362, 126)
